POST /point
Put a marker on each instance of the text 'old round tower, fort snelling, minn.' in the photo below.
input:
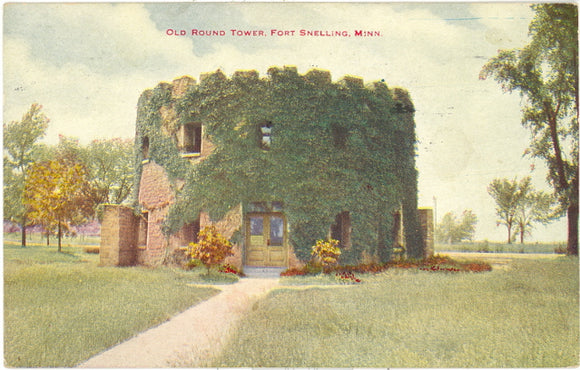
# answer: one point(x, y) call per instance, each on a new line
point(275, 163)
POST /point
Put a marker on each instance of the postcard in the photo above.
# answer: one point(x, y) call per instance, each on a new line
point(285, 184)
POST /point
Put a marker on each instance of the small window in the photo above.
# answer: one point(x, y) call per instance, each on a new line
point(145, 147)
point(266, 131)
point(341, 229)
point(190, 232)
point(143, 229)
point(191, 138)
point(339, 135)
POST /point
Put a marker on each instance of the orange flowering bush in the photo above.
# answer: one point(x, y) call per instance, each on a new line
point(327, 252)
point(211, 248)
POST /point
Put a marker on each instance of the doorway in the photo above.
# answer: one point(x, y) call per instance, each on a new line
point(266, 240)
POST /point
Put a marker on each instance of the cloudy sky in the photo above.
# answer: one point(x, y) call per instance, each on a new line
point(88, 63)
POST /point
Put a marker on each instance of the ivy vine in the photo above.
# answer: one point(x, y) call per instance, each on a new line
point(335, 147)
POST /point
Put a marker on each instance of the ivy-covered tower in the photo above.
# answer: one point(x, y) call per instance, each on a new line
point(276, 163)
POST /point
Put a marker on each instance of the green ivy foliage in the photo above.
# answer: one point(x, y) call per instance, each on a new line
point(335, 147)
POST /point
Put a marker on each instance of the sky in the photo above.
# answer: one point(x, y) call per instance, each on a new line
point(87, 64)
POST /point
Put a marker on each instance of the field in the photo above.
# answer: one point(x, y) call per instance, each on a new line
point(38, 239)
point(497, 247)
point(61, 308)
point(522, 315)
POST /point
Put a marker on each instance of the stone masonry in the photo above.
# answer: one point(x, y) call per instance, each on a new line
point(118, 231)
point(135, 236)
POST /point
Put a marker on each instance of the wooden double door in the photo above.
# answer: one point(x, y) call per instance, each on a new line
point(266, 240)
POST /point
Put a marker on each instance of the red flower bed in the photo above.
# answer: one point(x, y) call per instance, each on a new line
point(446, 264)
point(228, 269)
point(431, 264)
point(347, 278)
point(478, 267)
point(439, 268)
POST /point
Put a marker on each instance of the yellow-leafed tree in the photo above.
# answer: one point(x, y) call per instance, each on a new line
point(211, 248)
point(56, 194)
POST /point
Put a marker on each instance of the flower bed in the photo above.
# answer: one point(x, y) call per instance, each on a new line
point(432, 264)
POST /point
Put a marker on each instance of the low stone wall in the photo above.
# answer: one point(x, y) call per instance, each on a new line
point(118, 236)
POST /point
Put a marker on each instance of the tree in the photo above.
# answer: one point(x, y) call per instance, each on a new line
point(211, 248)
point(507, 195)
point(545, 73)
point(535, 206)
point(20, 144)
point(519, 205)
point(54, 191)
point(451, 230)
point(466, 228)
point(111, 168)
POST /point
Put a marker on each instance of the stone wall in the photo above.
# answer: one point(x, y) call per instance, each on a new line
point(155, 197)
point(427, 228)
point(118, 236)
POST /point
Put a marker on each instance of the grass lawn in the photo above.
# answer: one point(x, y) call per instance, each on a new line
point(523, 316)
point(61, 308)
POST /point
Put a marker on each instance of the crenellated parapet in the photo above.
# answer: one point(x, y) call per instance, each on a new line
point(316, 77)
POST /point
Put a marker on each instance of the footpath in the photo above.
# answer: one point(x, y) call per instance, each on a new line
point(191, 338)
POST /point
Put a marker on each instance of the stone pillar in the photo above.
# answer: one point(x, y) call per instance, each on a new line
point(427, 228)
point(118, 236)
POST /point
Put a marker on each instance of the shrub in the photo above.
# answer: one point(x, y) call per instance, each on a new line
point(178, 257)
point(446, 264)
point(560, 249)
point(212, 248)
point(404, 264)
point(477, 267)
point(362, 268)
point(307, 269)
point(313, 268)
point(326, 252)
point(295, 271)
point(92, 250)
point(193, 263)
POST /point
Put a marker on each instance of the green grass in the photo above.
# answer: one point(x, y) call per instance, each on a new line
point(39, 240)
point(525, 316)
point(487, 246)
point(61, 308)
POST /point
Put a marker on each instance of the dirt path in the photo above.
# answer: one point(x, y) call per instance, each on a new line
point(191, 338)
